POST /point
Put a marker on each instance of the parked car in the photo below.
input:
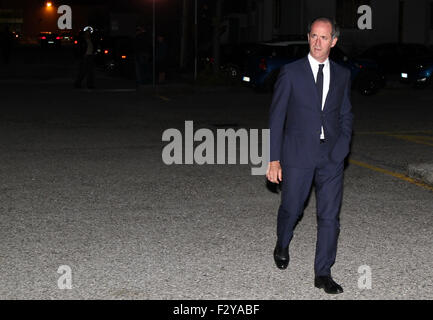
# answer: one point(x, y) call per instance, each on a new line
point(233, 58)
point(366, 75)
point(406, 62)
point(265, 63)
point(115, 54)
point(66, 37)
point(49, 39)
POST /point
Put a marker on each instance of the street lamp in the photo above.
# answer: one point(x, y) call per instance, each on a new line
point(49, 4)
point(195, 40)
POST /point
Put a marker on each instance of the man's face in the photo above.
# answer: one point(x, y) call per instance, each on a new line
point(320, 40)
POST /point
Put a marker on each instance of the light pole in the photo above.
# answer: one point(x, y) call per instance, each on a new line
point(153, 43)
point(195, 40)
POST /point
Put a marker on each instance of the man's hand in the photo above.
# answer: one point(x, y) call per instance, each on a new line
point(274, 173)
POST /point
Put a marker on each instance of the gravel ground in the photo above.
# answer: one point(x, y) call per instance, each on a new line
point(83, 185)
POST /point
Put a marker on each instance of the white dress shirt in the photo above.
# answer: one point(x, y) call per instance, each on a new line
point(326, 79)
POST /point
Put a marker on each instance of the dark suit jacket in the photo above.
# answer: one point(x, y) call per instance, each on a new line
point(296, 116)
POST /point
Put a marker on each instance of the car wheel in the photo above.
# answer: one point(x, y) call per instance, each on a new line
point(368, 83)
point(367, 89)
point(231, 71)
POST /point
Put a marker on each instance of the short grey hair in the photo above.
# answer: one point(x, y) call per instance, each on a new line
point(335, 28)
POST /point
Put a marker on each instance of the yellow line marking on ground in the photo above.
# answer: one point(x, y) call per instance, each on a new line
point(163, 98)
point(394, 132)
point(429, 138)
point(394, 174)
point(416, 139)
point(411, 136)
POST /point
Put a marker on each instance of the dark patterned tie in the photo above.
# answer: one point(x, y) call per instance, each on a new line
point(319, 83)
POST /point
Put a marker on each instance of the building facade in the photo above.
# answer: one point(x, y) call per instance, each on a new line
point(392, 21)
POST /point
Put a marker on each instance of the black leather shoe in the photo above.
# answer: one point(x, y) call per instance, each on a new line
point(328, 284)
point(281, 257)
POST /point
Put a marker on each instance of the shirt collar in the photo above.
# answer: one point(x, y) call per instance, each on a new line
point(315, 63)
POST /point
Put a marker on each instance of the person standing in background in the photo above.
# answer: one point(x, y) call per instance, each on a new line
point(143, 57)
point(161, 59)
point(86, 67)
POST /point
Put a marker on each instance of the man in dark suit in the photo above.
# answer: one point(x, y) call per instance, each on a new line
point(310, 131)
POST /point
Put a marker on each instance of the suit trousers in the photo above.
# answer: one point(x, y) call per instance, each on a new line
point(296, 185)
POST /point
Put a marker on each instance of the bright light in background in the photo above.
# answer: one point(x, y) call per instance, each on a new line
point(49, 4)
point(88, 28)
